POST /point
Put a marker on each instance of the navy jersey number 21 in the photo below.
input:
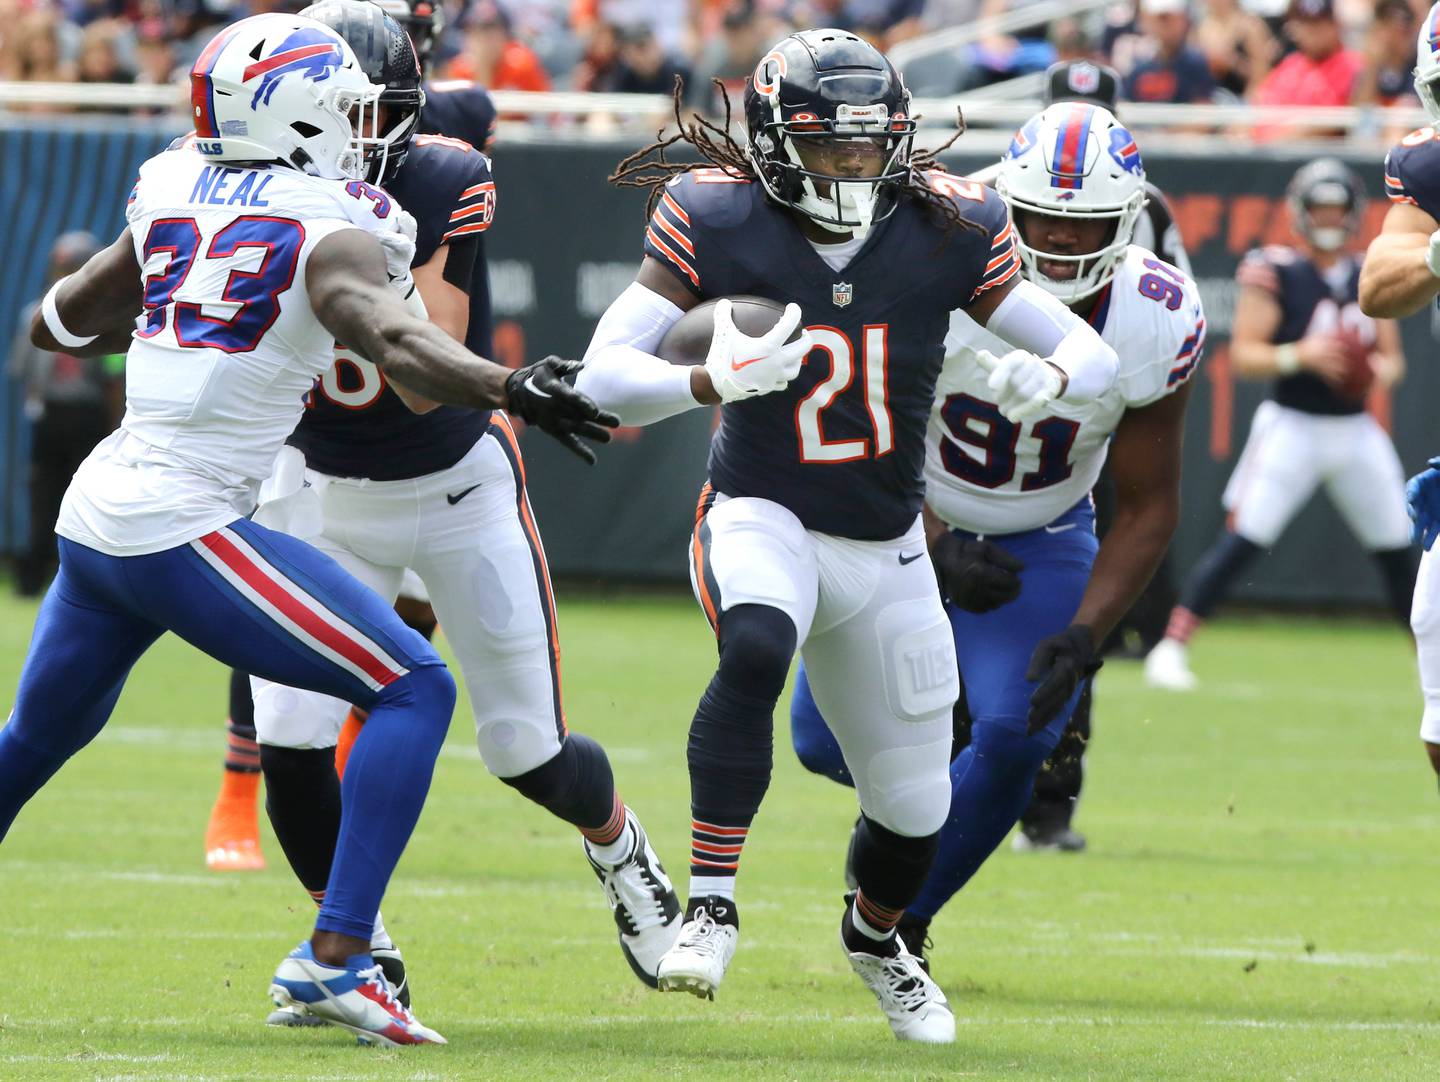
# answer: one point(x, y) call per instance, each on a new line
point(256, 292)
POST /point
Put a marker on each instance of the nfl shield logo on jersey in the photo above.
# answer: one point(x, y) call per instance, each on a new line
point(841, 293)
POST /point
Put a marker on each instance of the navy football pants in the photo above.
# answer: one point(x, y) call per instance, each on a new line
point(992, 779)
point(266, 603)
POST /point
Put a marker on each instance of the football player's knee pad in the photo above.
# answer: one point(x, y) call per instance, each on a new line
point(516, 722)
point(287, 717)
point(907, 790)
point(510, 745)
point(757, 644)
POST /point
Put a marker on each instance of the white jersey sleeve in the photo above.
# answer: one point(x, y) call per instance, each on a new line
point(989, 475)
point(224, 352)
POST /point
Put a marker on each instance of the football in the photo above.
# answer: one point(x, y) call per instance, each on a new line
point(688, 341)
point(1359, 375)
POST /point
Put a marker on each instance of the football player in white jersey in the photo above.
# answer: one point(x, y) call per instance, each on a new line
point(1298, 323)
point(1029, 590)
point(250, 250)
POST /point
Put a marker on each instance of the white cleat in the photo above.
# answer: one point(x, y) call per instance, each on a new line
point(1168, 667)
point(640, 894)
point(697, 962)
point(914, 1005)
point(294, 1016)
point(355, 996)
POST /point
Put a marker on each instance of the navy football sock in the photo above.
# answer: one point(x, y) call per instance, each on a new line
point(1212, 576)
point(731, 744)
point(576, 785)
point(302, 798)
point(386, 781)
point(890, 869)
point(991, 783)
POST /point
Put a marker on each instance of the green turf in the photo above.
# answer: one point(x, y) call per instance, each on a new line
point(1256, 903)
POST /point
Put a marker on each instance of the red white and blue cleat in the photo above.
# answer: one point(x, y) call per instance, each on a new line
point(355, 996)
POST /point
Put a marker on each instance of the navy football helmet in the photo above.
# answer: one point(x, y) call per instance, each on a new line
point(822, 101)
point(1325, 182)
point(423, 20)
point(386, 57)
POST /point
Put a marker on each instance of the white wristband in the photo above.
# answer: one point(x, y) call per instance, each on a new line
point(1432, 254)
point(1287, 359)
point(51, 315)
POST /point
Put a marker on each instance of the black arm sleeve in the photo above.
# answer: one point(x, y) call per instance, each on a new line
point(461, 257)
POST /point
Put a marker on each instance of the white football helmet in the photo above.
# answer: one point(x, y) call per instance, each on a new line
point(284, 88)
point(1427, 63)
point(1074, 160)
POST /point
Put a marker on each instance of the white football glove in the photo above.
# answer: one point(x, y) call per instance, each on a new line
point(1432, 255)
point(399, 246)
point(1024, 384)
point(744, 367)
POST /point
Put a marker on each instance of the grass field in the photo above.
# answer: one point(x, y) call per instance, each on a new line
point(1257, 902)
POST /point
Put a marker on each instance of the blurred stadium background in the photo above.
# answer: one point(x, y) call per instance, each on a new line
point(73, 129)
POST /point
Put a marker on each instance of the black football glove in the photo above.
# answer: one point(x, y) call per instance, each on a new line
point(977, 576)
point(539, 396)
point(1059, 663)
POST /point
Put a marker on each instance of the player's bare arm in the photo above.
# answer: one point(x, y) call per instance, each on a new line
point(349, 290)
point(352, 297)
point(1398, 278)
point(1145, 464)
point(448, 307)
point(1388, 358)
point(99, 302)
point(1255, 356)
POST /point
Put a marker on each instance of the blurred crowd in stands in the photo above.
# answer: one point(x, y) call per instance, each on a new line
point(1282, 52)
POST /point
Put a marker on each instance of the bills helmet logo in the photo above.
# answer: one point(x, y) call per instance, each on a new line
point(314, 54)
point(1023, 139)
point(1125, 151)
point(842, 293)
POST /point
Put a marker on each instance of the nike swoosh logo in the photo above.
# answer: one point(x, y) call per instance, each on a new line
point(453, 500)
point(909, 559)
point(735, 366)
point(1060, 529)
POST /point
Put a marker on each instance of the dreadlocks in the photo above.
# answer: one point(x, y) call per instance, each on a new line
point(650, 168)
point(714, 142)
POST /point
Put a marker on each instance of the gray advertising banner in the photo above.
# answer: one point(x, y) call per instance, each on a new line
point(565, 243)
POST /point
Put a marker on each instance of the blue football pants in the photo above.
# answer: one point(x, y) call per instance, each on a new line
point(265, 603)
point(992, 779)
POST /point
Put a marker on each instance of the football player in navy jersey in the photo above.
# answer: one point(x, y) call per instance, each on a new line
point(1401, 276)
point(1298, 321)
point(808, 533)
point(1010, 517)
point(380, 488)
point(459, 110)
